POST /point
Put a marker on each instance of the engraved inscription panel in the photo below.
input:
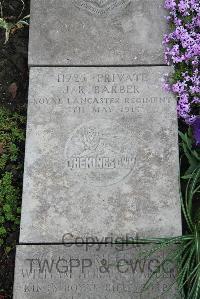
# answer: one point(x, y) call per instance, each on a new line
point(91, 271)
point(101, 154)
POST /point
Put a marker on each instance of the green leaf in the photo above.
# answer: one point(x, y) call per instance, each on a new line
point(7, 208)
point(2, 219)
point(3, 23)
point(23, 23)
point(26, 17)
point(183, 136)
point(186, 177)
point(8, 249)
point(2, 231)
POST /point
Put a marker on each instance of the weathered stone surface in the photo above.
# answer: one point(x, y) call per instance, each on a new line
point(96, 32)
point(91, 272)
point(101, 155)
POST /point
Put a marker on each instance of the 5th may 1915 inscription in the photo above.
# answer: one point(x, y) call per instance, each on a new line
point(101, 154)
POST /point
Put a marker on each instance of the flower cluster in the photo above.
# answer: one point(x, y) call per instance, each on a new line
point(182, 49)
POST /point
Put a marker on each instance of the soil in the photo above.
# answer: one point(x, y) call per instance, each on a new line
point(13, 60)
point(13, 95)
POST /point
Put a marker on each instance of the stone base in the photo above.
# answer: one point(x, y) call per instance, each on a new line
point(90, 271)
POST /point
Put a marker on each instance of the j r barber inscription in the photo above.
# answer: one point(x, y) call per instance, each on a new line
point(101, 152)
point(100, 7)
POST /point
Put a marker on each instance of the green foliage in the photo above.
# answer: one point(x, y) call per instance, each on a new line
point(193, 155)
point(11, 150)
point(11, 27)
point(180, 68)
point(9, 195)
point(186, 250)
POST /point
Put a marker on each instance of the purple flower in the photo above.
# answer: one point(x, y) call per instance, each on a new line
point(196, 130)
point(194, 89)
point(179, 87)
point(191, 119)
point(183, 6)
point(182, 49)
point(196, 100)
point(170, 4)
point(167, 87)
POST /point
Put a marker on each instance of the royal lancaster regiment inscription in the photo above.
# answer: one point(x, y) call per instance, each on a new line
point(96, 32)
point(101, 154)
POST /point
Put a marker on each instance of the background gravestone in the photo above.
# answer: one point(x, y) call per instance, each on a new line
point(101, 154)
point(96, 32)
